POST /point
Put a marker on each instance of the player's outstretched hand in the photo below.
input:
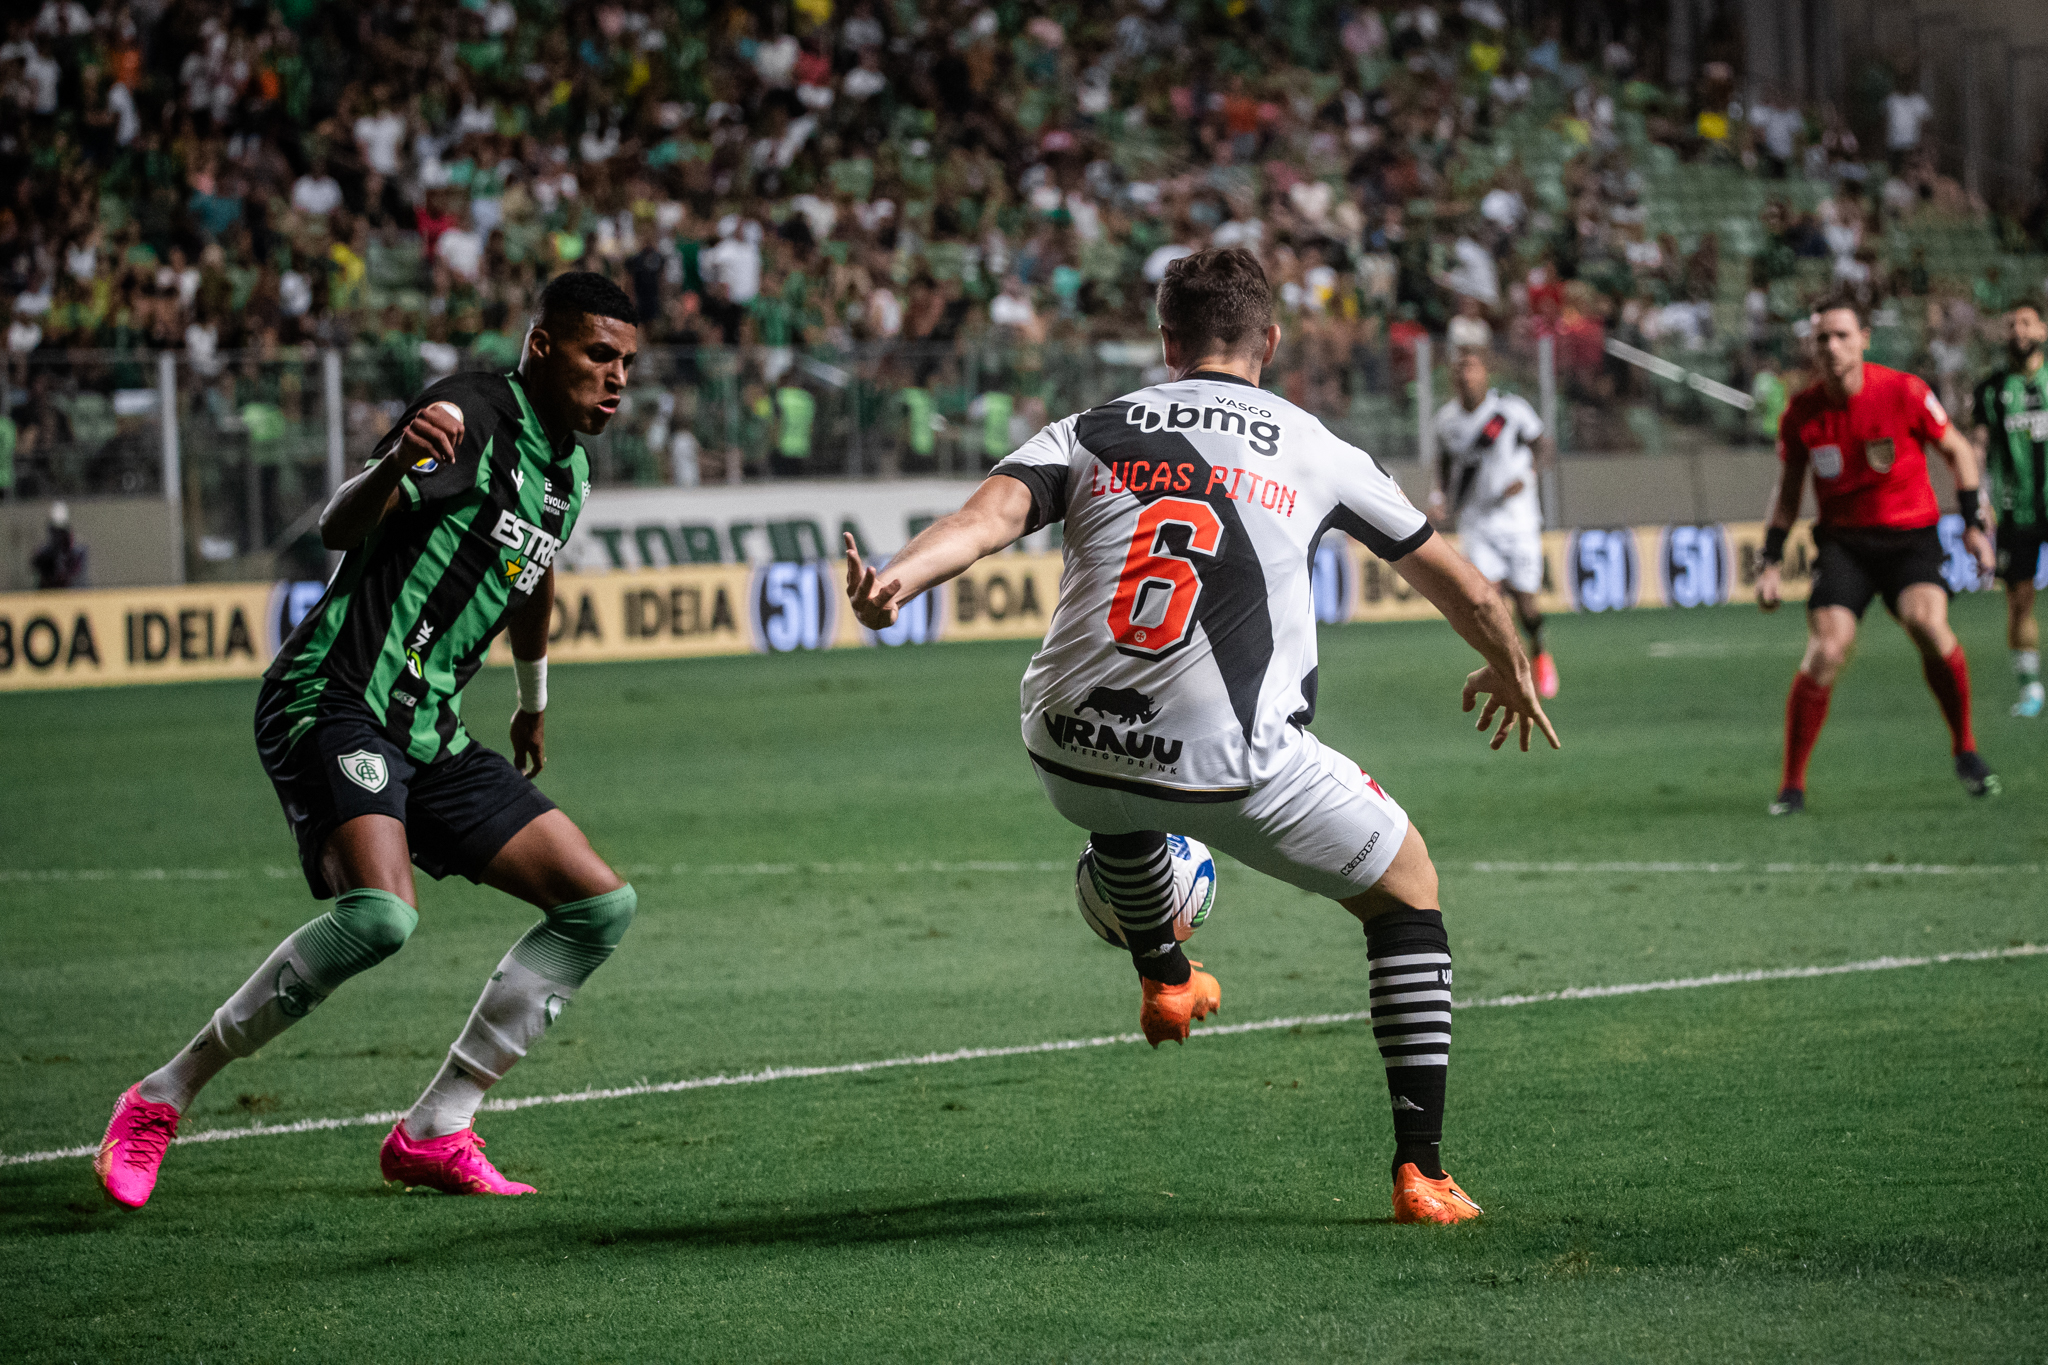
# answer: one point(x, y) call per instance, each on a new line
point(432, 433)
point(873, 605)
point(1978, 543)
point(529, 742)
point(1770, 589)
point(1514, 700)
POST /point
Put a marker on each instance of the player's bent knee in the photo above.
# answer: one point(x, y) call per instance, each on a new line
point(364, 927)
point(598, 920)
point(575, 939)
point(378, 920)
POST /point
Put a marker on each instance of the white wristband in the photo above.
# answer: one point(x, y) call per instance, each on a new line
point(530, 683)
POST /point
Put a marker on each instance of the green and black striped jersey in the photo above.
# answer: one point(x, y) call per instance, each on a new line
point(2013, 408)
point(407, 620)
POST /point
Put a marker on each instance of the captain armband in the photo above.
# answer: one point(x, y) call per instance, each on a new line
point(530, 684)
point(1774, 543)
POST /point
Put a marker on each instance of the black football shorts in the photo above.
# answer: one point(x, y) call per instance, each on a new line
point(2019, 552)
point(458, 811)
point(1857, 563)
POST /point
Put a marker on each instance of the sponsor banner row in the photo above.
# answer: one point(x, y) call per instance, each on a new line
point(130, 635)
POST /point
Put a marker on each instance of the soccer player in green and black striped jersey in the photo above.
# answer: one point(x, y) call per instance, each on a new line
point(450, 538)
point(2010, 414)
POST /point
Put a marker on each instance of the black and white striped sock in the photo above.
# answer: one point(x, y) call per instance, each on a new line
point(1409, 966)
point(1137, 877)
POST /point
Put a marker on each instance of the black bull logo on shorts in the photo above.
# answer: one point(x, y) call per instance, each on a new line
point(1127, 704)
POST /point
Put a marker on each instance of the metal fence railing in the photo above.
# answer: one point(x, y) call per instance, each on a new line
point(248, 445)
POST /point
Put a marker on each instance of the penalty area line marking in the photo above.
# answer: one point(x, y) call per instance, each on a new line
point(975, 1054)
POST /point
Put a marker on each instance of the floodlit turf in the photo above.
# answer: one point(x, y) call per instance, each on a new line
point(1845, 1167)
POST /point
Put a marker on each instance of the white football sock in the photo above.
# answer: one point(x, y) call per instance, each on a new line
point(279, 995)
point(364, 927)
point(516, 1007)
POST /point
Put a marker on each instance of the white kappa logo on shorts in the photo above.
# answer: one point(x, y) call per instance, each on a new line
point(365, 769)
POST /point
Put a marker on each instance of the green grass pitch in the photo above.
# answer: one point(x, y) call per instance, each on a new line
point(1846, 1167)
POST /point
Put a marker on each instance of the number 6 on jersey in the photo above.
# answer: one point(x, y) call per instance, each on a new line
point(1153, 611)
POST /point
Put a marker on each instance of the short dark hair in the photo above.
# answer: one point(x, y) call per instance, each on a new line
point(581, 293)
point(1842, 298)
point(1216, 297)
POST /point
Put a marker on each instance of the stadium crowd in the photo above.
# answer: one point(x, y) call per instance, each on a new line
point(885, 180)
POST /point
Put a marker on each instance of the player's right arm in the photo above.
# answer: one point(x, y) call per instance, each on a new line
point(997, 514)
point(1783, 511)
point(1480, 615)
point(365, 500)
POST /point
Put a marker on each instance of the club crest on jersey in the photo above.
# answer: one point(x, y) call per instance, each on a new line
point(366, 769)
point(1827, 462)
point(1879, 455)
point(1492, 430)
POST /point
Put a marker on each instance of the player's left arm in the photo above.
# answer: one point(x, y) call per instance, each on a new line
point(1480, 615)
point(526, 630)
point(997, 514)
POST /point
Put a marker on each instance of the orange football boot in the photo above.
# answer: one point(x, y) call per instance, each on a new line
point(1418, 1199)
point(1165, 1011)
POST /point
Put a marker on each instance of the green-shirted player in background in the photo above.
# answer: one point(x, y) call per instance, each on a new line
point(451, 536)
point(2010, 416)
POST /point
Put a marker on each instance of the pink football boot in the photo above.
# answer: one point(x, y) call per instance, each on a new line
point(454, 1164)
point(133, 1148)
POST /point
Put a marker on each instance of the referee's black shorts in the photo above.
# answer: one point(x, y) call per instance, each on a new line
point(458, 811)
point(1857, 563)
point(2019, 552)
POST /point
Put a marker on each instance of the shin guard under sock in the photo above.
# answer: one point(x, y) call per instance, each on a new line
point(1136, 876)
point(1948, 677)
point(1806, 710)
point(1409, 962)
point(362, 929)
point(533, 982)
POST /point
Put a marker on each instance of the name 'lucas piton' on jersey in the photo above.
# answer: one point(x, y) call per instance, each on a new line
point(1181, 660)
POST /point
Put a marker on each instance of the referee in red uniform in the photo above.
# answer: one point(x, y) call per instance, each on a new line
point(1862, 431)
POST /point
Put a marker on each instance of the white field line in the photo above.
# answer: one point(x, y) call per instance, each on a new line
point(645, 871)
point(974, 1054)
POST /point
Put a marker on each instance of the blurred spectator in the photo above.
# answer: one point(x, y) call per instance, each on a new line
point(1906, 112)
point(59, 562)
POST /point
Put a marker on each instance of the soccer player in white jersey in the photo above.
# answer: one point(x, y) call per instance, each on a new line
point(1489, 446)
point(1176, 683)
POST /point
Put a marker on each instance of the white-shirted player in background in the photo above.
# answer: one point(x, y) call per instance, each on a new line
point(1176, 683)
point(1490, 446)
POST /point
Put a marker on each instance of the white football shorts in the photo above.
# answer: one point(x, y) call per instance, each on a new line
point(1513, 557)
point(1321, 825)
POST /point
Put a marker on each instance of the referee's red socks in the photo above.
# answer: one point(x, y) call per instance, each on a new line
point(1806, 710)
point(1949, 679)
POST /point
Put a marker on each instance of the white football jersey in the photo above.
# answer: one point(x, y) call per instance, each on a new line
point(1488, 450)
point(1181, 661)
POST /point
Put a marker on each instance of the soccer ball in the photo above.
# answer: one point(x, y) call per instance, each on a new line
point(1194, 890)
